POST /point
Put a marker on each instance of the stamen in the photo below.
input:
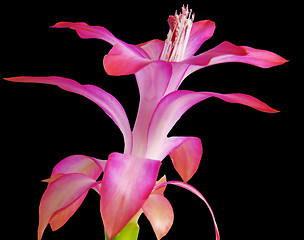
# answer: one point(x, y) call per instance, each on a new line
point(178, 36)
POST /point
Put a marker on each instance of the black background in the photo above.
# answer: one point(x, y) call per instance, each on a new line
point(249, 170)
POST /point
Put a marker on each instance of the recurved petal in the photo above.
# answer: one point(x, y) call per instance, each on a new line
point(89, 166)
point(127, 183)
point(86, 31)
point(122, 60)
point(187, 156)
point(228, 52)
point(160, 214)
point(175, 104)
point(69, 189)
point(197, 193)
point(106, 101)
point(153, 48)
point(200, 32)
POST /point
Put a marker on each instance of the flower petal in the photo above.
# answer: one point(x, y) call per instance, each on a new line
point(86, 31)
point(152, 82)
point(197, 193)
point(60, 194)
point(175, 104)
point(122, 60)
point(153, 48)
point(200, 32)
point(160, 214)
point(106, 101)
point(228, 52)
point(127, 183)
point(187, 157)
point(89, 166)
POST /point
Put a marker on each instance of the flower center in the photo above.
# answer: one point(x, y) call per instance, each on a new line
point(177, 38)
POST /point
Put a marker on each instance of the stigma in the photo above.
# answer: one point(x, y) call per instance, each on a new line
point(178, 36)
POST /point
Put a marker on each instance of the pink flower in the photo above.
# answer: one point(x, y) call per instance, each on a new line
point(128, 187)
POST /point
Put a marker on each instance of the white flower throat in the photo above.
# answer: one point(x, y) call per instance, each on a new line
point(178, 36)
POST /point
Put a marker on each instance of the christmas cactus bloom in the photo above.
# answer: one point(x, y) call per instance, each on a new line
point(129, 185)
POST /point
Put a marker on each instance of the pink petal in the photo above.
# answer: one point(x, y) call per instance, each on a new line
point(103, 99)
point(200, 32)
point(152, 81)
point(89, 166)
point(122, 60)
point(187, 157)
point(153, 48)
point(227, 52)
point(127, 183)
point(160, 214)
point(60, 194)
point(175, 104)
point(197, 193)
point(86, 31)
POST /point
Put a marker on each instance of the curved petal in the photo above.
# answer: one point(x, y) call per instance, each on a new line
point(127, 183)
point(160, 214)
point(89, 166)
point(153, 48)
point(175, 104)
point(123, 61)
point(86, 31)
point(152, 82)
point(106, 101)
point(60, 194)
point(200, 32)
point(228, 52)
point(197, 193)
point(187, 157)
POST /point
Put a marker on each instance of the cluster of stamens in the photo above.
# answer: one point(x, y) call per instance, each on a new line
point(178, 36)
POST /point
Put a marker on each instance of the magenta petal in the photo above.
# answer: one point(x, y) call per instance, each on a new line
point(187, 157)
point(153, 48)
point(228, 52)
point(127, 183)
point(103, 99)
point(160, 214)
point(122, 60)
point(86, 31)
point(200, 32)
point(197, 193)
point(89, 166)
point(152, 82)
point(175, 104)
point(59, 195)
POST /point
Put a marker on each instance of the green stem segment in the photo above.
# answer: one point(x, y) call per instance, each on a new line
point(129, 232)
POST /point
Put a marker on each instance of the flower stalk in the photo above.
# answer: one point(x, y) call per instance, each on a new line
point(129, 232)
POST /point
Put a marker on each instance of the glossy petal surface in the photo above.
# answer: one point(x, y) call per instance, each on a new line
point(127, 183)
point(103, 99)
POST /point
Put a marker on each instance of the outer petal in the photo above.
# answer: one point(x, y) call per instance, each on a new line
point(228, 52)
point(103, 99)
point(200, 32)
point(160, 214)
point(123, 61)
point(89, 166)
point(187, 157)
point(175, 104)
point(127, 183)
point(60, 194)
point(86, 31)
point(197, 193)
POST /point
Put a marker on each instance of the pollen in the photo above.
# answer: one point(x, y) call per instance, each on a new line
point(178, 36)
